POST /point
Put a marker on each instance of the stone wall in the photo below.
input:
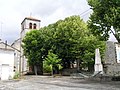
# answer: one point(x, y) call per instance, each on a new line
point(111, 66)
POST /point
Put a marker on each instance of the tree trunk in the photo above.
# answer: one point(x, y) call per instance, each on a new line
point(52, 71)
point(90, 67)
point(35, 69)
point(78, 65)
point(40, 68)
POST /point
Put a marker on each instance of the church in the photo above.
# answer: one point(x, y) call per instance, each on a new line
point(28, 24)
point(14, 61)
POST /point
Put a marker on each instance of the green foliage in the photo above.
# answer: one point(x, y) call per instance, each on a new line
point(52, 61)
point(66, 37)
point(46, 68)
point(89, 53)
point(69, 39)
point(17, 75)
point(106, 15)
point(33, 44)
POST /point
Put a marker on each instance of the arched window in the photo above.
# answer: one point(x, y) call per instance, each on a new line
point(34, 27)
point(30, 25)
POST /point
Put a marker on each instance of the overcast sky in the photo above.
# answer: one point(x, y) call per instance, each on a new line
point(12, 12)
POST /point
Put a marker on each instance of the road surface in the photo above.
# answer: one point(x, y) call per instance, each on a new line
point(57, 83)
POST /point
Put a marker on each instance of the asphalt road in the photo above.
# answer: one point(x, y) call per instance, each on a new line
point(57, 83)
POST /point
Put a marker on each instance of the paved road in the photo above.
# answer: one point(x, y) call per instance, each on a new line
point(57, 83)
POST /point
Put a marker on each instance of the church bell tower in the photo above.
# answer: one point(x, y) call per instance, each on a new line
point(28, 24)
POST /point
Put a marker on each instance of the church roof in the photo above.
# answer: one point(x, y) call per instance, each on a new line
point(6, 46)
point(31, 18)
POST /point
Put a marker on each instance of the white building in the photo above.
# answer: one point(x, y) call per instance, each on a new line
point(16, 45)
point(8, 61)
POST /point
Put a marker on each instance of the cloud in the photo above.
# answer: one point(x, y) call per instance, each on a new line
point(65, 8)
point(49, 11)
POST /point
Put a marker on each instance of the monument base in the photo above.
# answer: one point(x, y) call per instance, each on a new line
point(98, 68)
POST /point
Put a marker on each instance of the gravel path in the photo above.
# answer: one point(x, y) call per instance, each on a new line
point(57, 83)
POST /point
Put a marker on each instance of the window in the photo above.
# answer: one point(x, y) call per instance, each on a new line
point(35, 26)
point(30, 25)
point(118, 52)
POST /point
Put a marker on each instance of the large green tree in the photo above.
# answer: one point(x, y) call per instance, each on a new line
point(33, 46)
point(69, 39)
point(105, 18)
point(69, 36)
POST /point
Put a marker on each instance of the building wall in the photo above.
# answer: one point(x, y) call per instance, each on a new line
point(16, 60)
point(6, 64)
point(111, 66)
point(26, 23)
point(16, 45)
point(25, 26)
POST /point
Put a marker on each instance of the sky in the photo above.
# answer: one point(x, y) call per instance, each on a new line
point(12, 12)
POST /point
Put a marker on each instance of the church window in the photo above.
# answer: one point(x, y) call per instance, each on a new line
point(30, 25)
point(34, 26)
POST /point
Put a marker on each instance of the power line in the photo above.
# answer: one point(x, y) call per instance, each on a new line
point(85, 11)
point(85, 14)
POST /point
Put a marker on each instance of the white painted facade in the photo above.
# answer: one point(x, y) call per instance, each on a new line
point(6, 64)
point(25, 25)
point(16, 45)
point(9, 58)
